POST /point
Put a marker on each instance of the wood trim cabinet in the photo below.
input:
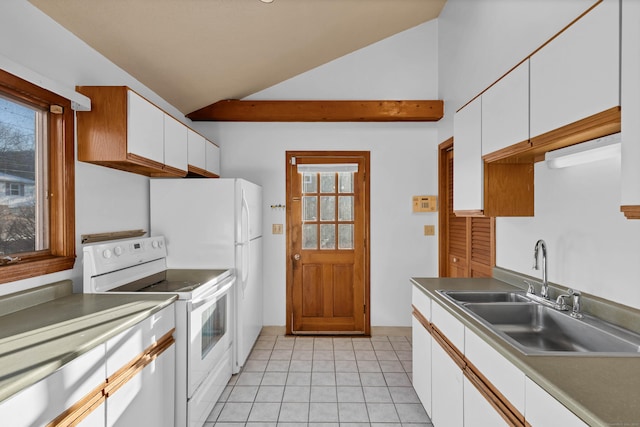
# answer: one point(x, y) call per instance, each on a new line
point(630, 101)
point(129, 377)
point(125, 131)
point(204, 156)
point(470, 383)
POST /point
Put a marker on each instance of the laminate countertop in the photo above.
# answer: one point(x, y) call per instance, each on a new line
point(44, 328)
point(603, 391)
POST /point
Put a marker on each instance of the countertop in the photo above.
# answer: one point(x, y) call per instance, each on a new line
point(603, 391)
point(43, 329)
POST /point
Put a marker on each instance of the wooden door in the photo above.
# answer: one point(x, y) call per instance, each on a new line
point(327, 243)
point(467, 244)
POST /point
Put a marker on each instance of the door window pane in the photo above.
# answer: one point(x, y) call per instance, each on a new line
point(327, 208)
point(345, 236)
point(309, 236)
point(310, 208)
point(345, 182)
point(327, 236)
point(310, 183)
point(345, 208)
point(327, 182)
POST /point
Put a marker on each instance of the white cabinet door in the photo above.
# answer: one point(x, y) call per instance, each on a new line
point(148, 397)
point(42, 402)
point(421, 357)
point(446, 399)
point(630, 103)
point(197, 150)
point(576, 75)
point(505, 111)
point(175, 143)
point(496, 368)
point(213, 158)
point(145, 128)
point(477, 410)
point(542, 409)
point(468, 168)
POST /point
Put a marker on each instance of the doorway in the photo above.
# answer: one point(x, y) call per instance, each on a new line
point(467, 245)
point(328, 242)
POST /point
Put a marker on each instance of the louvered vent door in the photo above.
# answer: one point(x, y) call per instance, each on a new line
point(457, 230)
point(469, 242)
point(482, 247)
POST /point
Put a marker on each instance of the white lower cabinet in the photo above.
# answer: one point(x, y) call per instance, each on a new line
point(501, 373)
point(542, 409)
point(478, 412)
point(133, 396)
point(451, 399)
point(447, 398)
point(148, 396)
point(42, 402)
point(421, 343)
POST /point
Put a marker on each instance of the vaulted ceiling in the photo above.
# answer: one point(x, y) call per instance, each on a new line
point(196, 52)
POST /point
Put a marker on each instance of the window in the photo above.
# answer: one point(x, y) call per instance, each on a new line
point(37, 227)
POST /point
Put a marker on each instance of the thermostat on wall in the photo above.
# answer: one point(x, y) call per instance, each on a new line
point(425, 203)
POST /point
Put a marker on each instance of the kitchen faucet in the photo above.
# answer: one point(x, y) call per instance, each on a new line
point(544, 291)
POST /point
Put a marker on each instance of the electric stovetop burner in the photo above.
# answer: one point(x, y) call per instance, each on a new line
point(174, 281)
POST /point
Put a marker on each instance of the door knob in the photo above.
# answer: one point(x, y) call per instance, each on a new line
point(296, 257)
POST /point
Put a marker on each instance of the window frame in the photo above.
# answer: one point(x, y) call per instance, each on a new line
point(61, 254)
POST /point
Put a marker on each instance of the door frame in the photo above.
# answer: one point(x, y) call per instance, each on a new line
point(443, 215)
point(365, 155)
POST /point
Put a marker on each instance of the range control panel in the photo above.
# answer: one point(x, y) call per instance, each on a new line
point(119, 254)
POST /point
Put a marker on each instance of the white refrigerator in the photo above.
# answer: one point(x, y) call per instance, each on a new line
point(211, 224)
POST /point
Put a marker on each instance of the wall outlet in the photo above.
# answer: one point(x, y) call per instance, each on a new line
point(429, 230)
point(276, 228)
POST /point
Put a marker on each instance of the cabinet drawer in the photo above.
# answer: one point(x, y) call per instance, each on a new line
point(544, 410)
point(451, 327)
point(506, 378)
point(422, 302)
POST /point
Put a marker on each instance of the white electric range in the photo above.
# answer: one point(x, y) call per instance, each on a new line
point(204, 325)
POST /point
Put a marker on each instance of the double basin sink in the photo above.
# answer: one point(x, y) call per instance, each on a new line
point(535, 329)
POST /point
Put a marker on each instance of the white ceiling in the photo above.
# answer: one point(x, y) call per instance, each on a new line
point(196, 52)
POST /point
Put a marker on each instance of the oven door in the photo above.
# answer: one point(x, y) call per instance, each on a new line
point(210, 332)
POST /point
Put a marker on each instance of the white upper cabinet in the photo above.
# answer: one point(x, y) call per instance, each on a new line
point(197, 150)
point(505, 111)
point(213, 158)
point(576, 75)
point(467, 159)
point(175, 144)
point(631, 107)
point(145, 128)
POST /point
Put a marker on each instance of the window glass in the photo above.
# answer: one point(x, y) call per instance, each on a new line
point(345, 182)
point(327, 182)
point(327, 208)
point(327, 236)
point(310, 208)
point(345, 208)
point(345, 236)
point(309, 236)
point(310, 183)
point(23, 207)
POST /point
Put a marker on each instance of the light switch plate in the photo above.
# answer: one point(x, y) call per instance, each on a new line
point(429, 230)
point(276, 228)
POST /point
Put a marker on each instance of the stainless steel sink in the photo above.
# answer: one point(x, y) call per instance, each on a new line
point(535, 329)
point(486, 296)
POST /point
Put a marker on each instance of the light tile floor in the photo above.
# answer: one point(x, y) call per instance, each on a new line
point(314, 381)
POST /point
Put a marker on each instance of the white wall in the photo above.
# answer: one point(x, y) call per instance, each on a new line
point(591, 246)
point(403, 164)
point(106, 199)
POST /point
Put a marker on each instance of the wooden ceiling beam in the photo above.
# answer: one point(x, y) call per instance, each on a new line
point(234, 110)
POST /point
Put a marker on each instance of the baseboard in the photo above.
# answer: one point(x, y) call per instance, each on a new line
point(375, 330)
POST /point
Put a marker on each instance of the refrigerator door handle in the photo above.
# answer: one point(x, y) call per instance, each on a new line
point(245, 252)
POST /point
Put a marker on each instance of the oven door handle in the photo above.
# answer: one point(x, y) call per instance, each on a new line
point(198, 302)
